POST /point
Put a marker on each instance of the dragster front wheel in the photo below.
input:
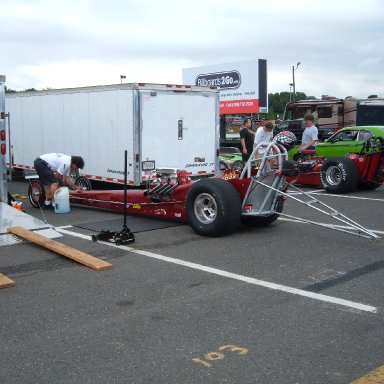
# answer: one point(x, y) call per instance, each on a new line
point(84, 183)
point(36, 193)
point(262, 221)
point(213, 207)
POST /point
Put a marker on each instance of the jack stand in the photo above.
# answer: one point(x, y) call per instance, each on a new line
point(125, 236)
point(119, 238)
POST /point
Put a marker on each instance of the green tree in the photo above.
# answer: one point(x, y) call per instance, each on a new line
point(278, 101)
point(9, 90)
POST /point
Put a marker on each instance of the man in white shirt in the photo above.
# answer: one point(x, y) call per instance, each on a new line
point(263, 135)
point(53, 169)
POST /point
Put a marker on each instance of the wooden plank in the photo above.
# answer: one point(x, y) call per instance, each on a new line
point(62, 249)
point(6, 282)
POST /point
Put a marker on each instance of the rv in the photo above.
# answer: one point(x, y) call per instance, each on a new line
point(332, 114)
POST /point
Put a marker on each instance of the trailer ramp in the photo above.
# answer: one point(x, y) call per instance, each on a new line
point(11, 217)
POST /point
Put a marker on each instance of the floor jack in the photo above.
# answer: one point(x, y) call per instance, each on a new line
point(125, 236)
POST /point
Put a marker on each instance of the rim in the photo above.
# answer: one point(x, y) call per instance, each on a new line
point(205, 208)
point(74, 174)
point(36, 194)
point(83, 183)
point(333, 175)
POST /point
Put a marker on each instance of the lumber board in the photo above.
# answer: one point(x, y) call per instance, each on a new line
point(6, 282)
point(62, 249)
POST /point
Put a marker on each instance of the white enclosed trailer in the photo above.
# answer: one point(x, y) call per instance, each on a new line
point(174, 126)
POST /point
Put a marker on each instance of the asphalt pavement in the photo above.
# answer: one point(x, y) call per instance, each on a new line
point(284, 304)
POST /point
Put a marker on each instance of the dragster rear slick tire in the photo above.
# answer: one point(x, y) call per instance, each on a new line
point(339, 175)
point(213, 207)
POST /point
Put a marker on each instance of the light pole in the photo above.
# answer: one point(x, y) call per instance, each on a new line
point(293, 79)
point(121, 78)
point(290, 91)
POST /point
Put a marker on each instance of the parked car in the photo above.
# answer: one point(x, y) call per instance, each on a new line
point(230, 158)
point(297, 127)
point(351, 158)
point(348, 140)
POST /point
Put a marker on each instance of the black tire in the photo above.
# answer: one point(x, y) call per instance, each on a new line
point(36, 193)
point(238, 165)
point(74, 174)
point(223, 166)
point(370, 185)
point(213, 207)
point(297, 156)
point(263, 221)
point(339, 175)
point(84, 183)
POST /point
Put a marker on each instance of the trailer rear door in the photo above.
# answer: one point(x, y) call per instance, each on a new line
point(180, 129)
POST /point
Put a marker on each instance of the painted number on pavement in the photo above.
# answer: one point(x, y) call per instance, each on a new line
point(215, 356)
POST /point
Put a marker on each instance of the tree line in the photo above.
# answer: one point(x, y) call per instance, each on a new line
point(277, 102)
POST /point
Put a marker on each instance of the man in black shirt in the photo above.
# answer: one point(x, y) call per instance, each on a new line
point(247, 138)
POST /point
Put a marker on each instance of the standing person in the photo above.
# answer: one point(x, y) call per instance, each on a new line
point(264, 135)
point(53, 169)
point(264, 121)
point(310, 135)
point(247, 137)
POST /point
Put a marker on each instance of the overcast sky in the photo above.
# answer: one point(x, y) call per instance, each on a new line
point(71, 43)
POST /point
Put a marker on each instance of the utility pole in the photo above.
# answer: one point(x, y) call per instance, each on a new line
point(293, 80)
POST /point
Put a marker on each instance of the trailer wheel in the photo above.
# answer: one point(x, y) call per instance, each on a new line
point(339, 175)
point(36, 193)
point(213, 207)
point(263, 221)
point(84, 183)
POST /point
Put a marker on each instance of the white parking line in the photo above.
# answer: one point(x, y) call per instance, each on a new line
point(249, 280)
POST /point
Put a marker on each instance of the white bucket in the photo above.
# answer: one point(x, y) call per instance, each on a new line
point(61, 200)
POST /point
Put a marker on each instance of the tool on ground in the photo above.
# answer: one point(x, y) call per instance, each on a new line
point(125, 236)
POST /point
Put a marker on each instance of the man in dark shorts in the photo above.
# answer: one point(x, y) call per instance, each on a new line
point(53, 169)
point(247, 138)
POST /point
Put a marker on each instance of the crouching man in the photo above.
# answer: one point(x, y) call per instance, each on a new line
point(53, 170)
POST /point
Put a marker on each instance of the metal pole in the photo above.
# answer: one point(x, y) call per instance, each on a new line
point(125, 189)
point(293, 82)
